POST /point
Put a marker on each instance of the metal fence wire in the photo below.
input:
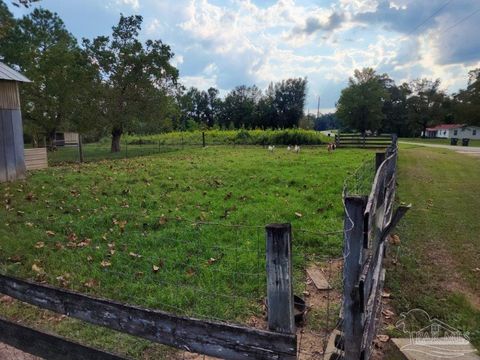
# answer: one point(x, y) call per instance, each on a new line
point(210, 270)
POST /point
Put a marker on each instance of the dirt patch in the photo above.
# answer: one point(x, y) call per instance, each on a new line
point(9, 353)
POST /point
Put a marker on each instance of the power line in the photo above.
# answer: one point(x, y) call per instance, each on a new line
point(461, 20)
point(428, 18)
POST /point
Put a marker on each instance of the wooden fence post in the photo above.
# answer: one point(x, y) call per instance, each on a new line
point(279, 278)
point(80, 148)
point(379, 158)
point(353, 243)
point(203, 138)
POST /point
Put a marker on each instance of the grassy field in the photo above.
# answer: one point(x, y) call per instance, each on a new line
point(157, 230)
point(141, 145)
point(440, 141)
point(439, 258)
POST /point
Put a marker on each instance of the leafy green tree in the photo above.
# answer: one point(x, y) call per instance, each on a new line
point(25, 3)
point(133, 76)
point(467, 101)
point(202, 107)
point(425, 105)
point(289, 101)
point(361, 103)
point(326, 122)
point(40, 46)
point(307, 122)
point(239, 107)
point(6, 19)
point(395, 109)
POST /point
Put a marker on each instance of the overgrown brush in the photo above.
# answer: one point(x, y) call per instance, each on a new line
point(234, 137)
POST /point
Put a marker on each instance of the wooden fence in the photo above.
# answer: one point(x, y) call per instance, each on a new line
point(357, 140)
point(368, 221)
point(36, 158)
point(213, 338)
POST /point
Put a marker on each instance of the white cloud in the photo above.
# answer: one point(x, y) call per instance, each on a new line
point(134, 4)
point(238, 42)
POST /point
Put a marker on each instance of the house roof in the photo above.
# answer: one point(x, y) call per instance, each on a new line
point(445, 127)
point(7, 73)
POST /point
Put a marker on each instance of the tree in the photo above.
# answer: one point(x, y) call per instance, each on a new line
point(289, 101)
point(239, 107)
point(395, 109)
point(425, 105)
point(133, 76)
point(6, 20)
point(40, 46)
point(202, 107)
point(360, 104)
point(25, 3)
point(467, 101)
point(326, 122)
point(307, 122)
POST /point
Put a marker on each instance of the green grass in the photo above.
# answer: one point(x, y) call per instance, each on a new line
point(67, 220)
point(475, 143)
point(101, 151)
point(440, 247)
point(141, 145)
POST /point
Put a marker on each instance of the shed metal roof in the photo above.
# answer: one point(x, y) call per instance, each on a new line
point(7, 73)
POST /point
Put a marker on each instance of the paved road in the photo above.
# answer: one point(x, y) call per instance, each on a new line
point(471, 150)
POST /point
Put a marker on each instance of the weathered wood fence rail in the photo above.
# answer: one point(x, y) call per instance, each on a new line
point(368, 221)
point(213, 338)
point(357, 140)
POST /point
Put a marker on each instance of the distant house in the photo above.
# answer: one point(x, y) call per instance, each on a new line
point(448, 131)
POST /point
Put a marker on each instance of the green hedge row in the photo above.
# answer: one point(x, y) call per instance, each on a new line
point(230, 137)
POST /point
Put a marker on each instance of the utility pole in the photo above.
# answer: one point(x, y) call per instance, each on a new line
point(318, 107)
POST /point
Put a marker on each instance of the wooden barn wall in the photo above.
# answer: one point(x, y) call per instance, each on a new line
point(9, 95)
point(12, 162)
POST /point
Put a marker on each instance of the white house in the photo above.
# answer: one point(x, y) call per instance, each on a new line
point(448, 131)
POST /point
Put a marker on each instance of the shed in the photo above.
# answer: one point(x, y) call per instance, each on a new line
point(12, 161)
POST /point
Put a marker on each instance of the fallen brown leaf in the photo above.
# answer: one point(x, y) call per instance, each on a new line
point(105, 263)
point(39, 245)
point(85, 242)
point(37, 269)
point(91, 283)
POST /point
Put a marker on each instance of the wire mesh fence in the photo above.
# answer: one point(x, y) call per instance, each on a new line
point(102, 151)
point(135, 146)
point(205, 270)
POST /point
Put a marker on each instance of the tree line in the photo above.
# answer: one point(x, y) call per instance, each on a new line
point(373, 101)
point(117, 84)
point(111, 85)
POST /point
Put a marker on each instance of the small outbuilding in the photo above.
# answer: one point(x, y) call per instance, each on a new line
point(12, 160)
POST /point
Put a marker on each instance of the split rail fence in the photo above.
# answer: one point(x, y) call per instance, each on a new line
point(369, 220)
point(207, 337)
point(358, 140)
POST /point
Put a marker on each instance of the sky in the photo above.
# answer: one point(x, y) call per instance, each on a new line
point(226, 43)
